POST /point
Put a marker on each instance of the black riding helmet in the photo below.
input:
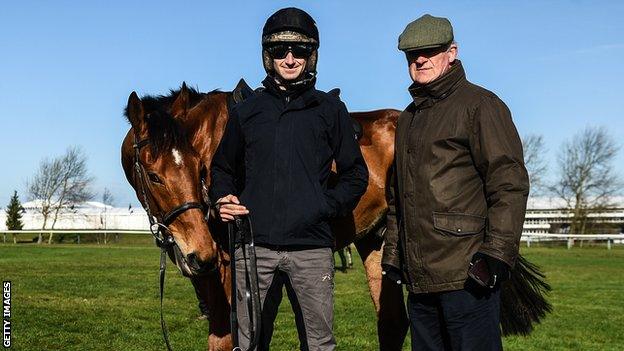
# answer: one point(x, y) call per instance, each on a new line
point(290, 25)
point(291, 18)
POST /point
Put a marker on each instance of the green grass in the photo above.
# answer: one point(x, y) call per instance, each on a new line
point(588, 300)
point(89, 297)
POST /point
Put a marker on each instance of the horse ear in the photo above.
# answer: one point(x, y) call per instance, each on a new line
point(135, 113)
point(180, 105)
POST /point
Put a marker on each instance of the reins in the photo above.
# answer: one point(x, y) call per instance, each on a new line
point(252, 291)
point(244, 239)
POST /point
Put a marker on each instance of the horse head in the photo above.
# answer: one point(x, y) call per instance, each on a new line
point(167, 177)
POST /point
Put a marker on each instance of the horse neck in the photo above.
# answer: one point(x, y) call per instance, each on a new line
point(206, 123)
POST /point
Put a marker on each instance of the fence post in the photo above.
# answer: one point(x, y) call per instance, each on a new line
point(528, 241)
point(4, 239)
point(570, 243)
point(78, 239)
point(608, 244)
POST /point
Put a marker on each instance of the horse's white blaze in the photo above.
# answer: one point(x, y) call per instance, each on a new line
point(177, 157)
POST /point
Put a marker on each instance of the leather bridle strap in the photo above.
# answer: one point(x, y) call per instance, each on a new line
point(161, 279)
point(173, 214)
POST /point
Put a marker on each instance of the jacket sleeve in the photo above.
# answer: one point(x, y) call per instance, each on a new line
point(497, 153)
point(350, 167)
point(391, 254)
point(226, 167)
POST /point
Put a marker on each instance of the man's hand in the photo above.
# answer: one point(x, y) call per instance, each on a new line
point(229, 206)
point(497, 271)
point(392, 273)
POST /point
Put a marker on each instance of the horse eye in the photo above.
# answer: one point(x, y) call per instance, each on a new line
point(154, 178)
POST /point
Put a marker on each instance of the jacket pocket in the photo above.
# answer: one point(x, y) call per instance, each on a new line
point(458, 224)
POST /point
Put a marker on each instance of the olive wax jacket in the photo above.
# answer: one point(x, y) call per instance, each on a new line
point(459, 184)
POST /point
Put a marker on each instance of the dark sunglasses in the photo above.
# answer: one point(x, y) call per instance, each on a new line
point(299, 50)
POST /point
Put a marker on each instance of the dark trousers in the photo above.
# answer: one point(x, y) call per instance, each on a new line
point(464, 320)
point(308, 276)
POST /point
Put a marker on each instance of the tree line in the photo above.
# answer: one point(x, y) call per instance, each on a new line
point(59, 184)
point(585, 178)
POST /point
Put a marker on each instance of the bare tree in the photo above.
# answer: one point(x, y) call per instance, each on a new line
point(59, 184)
point(107, 197)
point(534, 151)
point(587, 181)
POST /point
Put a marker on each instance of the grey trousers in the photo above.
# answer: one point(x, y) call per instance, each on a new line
point(308, 276)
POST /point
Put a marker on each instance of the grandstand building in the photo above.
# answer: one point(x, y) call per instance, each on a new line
point(549, 215)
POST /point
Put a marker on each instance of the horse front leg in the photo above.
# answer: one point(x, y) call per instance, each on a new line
point(214, 292)
point(392, 321)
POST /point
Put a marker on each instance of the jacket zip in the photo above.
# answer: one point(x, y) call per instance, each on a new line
point(276, 162)
point(402, 232)
point(418, 146)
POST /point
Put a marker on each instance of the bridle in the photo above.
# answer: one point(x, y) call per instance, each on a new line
point(159, 226)
point(159, 221)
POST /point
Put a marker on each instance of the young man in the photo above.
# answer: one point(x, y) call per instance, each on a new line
point(273, 164)
point(458, 200)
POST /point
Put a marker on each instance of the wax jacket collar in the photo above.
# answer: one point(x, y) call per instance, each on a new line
point(440, 88)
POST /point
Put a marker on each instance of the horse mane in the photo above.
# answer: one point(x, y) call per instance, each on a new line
point(165, 132)
point(164, 102)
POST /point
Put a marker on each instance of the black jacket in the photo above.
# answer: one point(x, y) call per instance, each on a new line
point(276, 156)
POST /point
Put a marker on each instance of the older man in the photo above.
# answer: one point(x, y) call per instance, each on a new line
point(274, 163)
point(458, 200)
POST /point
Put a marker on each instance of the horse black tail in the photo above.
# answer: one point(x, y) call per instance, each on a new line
point(523, 298)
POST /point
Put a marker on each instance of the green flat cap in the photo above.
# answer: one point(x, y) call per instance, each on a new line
point(427, 32)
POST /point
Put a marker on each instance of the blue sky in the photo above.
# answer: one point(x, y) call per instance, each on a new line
point(67, 67)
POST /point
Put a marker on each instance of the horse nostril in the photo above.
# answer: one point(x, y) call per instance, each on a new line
point(197, 265)
point(192, 259)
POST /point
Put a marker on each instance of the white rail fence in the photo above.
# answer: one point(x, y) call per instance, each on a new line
point(104, 232)
point(571, 238)
point(529, 238)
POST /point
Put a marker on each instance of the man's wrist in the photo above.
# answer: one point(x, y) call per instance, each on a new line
point(392, 273)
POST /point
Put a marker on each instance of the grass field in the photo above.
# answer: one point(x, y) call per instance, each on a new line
point(90, 297)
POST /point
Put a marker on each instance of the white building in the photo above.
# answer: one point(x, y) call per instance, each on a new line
point(548, 215)
point(88, 215)
point(543, 215)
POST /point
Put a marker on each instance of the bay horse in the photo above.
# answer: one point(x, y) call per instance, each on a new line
point(174, 137)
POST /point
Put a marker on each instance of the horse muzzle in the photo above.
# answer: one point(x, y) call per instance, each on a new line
point(190, 265)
